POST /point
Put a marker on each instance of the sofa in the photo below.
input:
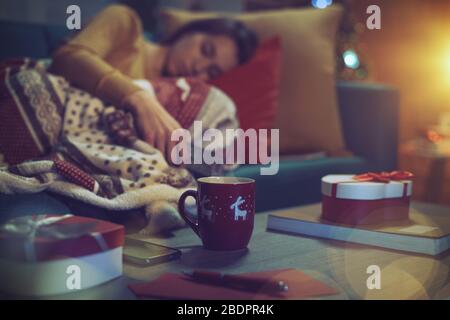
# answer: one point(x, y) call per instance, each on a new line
point(369, 115)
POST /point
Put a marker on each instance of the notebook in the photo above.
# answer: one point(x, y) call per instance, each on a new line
point(178, 286)
point(423, 233)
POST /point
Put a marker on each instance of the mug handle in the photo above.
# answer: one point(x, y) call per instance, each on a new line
point(182, 209)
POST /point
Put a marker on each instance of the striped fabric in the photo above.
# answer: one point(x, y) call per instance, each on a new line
point(31, 110)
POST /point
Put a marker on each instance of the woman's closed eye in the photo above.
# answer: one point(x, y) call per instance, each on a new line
point(208, 49)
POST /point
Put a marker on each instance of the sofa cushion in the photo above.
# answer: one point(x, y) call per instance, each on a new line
point(254, 86)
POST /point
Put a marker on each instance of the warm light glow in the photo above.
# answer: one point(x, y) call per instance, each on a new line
point(447, 65)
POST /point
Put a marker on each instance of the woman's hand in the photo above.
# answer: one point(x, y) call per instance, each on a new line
point(154, 123)
point(120, 126)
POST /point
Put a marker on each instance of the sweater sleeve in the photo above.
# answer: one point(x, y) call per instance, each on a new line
point(82, 60)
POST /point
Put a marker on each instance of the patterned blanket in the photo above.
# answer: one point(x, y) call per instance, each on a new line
point(54, 137)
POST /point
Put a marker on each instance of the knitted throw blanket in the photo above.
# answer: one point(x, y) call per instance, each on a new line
point(54, 137)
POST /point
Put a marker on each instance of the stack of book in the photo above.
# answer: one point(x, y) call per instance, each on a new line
point(422, 233)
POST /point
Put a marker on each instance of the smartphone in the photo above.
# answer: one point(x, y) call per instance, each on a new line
point(146, 253)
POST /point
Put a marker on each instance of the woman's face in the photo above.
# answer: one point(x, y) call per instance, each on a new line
point(201, 55)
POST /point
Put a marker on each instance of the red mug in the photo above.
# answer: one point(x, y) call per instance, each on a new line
point(225, 211)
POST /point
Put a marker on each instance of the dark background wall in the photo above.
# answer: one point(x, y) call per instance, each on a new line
point(54, 11)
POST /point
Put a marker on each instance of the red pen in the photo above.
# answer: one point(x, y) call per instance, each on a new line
point(238, 281)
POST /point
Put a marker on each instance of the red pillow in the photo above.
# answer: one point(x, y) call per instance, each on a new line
point(254, 86)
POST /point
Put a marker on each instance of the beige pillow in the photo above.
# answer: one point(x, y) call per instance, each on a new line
point(308, 116)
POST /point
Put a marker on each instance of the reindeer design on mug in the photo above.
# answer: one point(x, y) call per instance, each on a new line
point(238, 212)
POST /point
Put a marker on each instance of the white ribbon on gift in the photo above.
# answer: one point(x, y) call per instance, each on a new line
point(30, 226)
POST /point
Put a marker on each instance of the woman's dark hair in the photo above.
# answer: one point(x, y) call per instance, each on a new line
point(246, 40)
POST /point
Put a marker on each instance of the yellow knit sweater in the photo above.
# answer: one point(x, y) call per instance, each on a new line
point(106, 55)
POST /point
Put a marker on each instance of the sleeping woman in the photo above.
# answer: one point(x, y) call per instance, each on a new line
point(111, 51)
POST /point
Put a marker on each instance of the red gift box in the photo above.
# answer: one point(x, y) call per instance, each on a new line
point(365, 199)
point(49, 237)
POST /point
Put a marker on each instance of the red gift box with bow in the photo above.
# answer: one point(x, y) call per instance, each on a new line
point(49, 237)
point(369, 198)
